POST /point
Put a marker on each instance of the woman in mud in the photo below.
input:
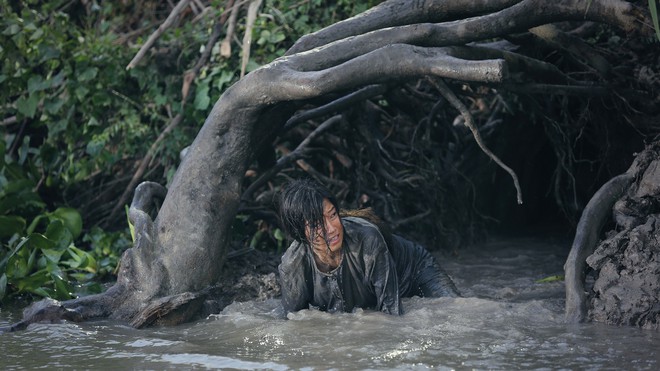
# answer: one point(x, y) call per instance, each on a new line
point(339, 263)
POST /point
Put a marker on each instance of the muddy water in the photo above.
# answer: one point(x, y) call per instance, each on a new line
point(506, 321)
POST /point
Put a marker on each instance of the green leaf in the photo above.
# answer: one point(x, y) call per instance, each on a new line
point(225, 78)
point(82, 260)
point(63, 289)
point(3, 286)
point(57, 79)
point(52, 105)
point(12, 30)
point(39, 241)
point(95, 146)
point(160, 100)
point(71, 219)
point(43, 291)
point(653, 7)
point(20, 199)
point(88, 74)
point(27, 106)
point(57, 127)
point(255, 239)
point(36, 83)
point(53, 255)
point(551, 279)
point(33, 283)
point(17, 267)
point(47, 53)
point(131, 227)
point(81, 92)
point(3, 146)
point(202, 99)
point(278, 234)
point(35, 223)
point(58, 233)
point(9, 225)
point(31, 260)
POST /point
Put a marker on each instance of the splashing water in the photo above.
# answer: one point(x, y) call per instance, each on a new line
point(507, 320)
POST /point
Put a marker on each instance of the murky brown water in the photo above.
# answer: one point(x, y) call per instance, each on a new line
point(506, 321)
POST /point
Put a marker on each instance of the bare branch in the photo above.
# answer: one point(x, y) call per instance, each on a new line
point(388, 64)
point(225, 46)
point(398, 13)
point(572, 45)
point(161, 29)
point(8, 121)
point(517, 18)
point(398, 223)
point(336, 105)
point(469, 122)
point(247, 37)
point(596, 91)
point(530, 68)
point(296, 154)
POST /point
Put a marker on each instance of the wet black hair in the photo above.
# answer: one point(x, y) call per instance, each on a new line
point(301, 204)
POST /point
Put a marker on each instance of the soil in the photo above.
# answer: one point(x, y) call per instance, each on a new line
point(249, 276)
point(626, 264)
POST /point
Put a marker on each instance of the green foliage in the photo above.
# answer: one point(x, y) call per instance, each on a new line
point(40, 258)
point(67, 109)
point(282, 22)
point(550, 279)
point(73, 118)
point(82, 112)
point(653, 7)
point(279, 25)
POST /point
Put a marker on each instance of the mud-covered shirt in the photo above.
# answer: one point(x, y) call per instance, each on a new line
point(370, 276)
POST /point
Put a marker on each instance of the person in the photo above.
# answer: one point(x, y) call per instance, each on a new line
point(339, 263)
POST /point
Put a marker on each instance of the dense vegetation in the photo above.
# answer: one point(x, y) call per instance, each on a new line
point(76, 124)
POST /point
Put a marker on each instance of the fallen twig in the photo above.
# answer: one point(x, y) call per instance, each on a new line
point(469, 122)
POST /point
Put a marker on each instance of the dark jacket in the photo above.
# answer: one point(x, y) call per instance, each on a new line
point(369, 276)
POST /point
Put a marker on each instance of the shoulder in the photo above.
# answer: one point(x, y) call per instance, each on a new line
point(294, 256)
point(359, 225)
point(363, 233)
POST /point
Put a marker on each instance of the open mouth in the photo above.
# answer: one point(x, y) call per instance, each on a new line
point(332, 241)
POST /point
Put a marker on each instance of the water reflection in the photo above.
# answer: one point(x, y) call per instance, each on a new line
point(507, 321)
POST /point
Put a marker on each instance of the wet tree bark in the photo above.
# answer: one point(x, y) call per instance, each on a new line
point(594, 216)
point(180, 253)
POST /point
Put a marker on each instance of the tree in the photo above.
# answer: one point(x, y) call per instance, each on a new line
point(180, 253)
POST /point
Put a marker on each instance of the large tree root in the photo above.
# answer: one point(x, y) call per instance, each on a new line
point(593, 218)
point(626, 264)
point(133, 297)
point(629, 198)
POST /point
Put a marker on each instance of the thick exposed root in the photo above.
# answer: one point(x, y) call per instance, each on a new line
point(626, 263)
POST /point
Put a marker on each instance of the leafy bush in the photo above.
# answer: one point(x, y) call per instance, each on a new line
point(40, 258)
point(70, 116)
point(74, 123)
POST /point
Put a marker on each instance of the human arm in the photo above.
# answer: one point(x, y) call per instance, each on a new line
point(294, 278)
point(381, 273)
